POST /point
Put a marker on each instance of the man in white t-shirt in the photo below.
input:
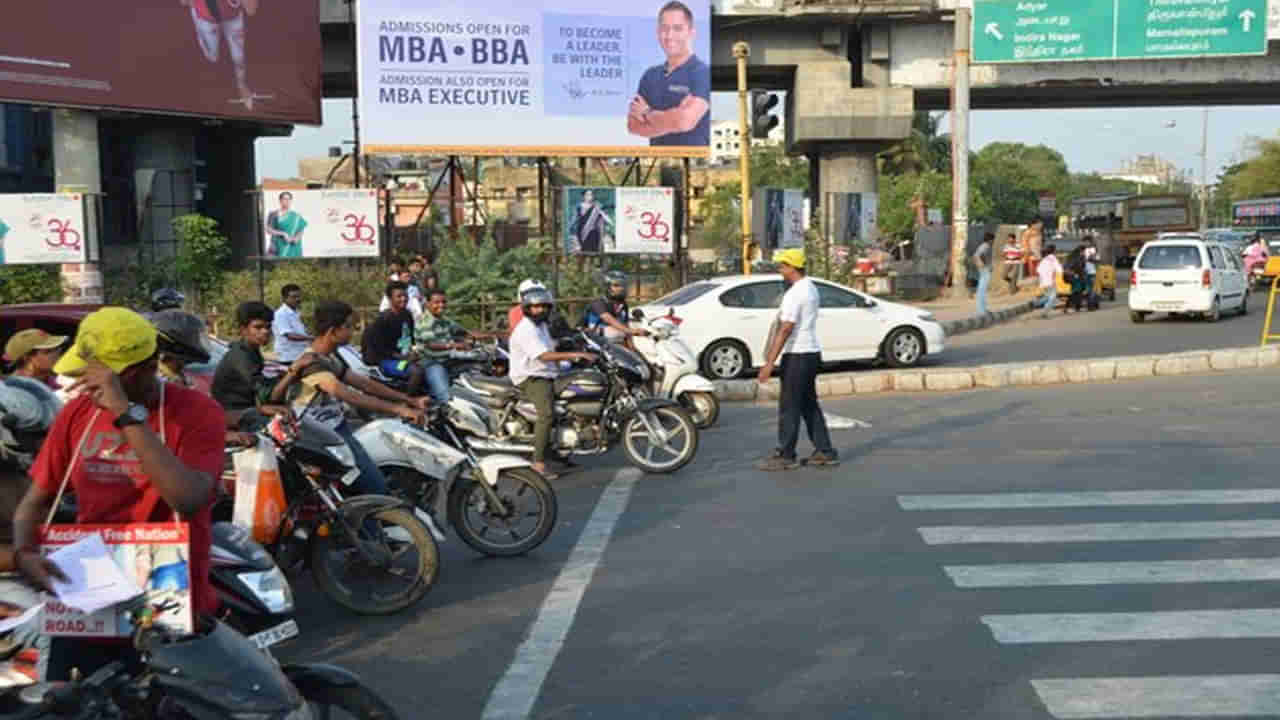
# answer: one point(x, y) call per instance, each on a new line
point(796, 340)
point(1048, 270)
point(291, 336)
point(534, 367)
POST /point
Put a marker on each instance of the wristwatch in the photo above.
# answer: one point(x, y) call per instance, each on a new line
point(135, 415)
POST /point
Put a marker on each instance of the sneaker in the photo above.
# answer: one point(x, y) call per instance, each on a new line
point(823, 459)
point(776, 462)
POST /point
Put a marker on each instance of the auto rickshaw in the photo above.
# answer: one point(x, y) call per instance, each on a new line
point(1104, 283)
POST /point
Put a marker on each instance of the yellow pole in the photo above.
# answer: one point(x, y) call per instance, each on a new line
point(742, 51)
point(1271, 305)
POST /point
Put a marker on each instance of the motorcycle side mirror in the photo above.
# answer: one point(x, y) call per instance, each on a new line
point(637, 314)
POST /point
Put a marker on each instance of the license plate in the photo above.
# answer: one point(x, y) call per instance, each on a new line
point(271, 636)
point(1168, 305)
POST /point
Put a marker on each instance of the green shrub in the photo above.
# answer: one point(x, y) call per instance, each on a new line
point(202, 251)
point(30, 284)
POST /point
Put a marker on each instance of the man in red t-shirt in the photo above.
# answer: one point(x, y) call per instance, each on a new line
point(149, 450)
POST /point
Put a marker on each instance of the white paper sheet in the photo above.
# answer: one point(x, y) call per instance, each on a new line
point(27, 616)
point(95, 580)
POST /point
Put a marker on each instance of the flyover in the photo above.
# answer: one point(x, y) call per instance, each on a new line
point(855, 70)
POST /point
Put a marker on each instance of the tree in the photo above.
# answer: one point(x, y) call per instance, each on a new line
point(1260, 175)
point(1013, 174)
point(896, 217)
point(921, 151)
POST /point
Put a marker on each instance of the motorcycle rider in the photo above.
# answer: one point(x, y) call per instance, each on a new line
point(438, 335)
point(131, 469)
point(1255, 254)
point(388, 342)
point(326, 384)
point(516, 314)
point(609, 315)
point(533, 367)
point(239, 384)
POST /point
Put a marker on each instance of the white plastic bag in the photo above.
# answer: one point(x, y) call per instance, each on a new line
point(260, 502)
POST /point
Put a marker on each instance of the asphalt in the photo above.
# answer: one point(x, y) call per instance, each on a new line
point(726, 592)
point(1108, 332)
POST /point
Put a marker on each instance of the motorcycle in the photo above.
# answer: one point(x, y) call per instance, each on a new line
point(675, 369)
point(337, 536)
point(1256, 270)
point(256, 598)
point(488, 501)
point(593, 408)
point(214, 673)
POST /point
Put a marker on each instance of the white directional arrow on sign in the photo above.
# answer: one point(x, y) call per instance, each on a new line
point(993, 29)
point(1246, 18)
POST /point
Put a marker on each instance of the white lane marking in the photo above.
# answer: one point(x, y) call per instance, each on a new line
point(1009, 501)
point(840, 422)
point(1118, 626)
point(1099, 532)
point(1150, 697)
point(514, 696)
point(35, 61)
point(1114, 573)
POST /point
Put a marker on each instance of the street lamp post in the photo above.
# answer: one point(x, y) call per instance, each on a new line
point(1204, 170)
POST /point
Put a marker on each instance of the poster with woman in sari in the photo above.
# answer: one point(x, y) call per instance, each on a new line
point(4, 230)
point(284, 230)
point(591, 224)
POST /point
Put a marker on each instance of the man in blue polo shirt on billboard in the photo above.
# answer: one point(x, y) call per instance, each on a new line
point(673, 104)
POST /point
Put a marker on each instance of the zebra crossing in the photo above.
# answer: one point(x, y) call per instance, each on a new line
point(1185, 696)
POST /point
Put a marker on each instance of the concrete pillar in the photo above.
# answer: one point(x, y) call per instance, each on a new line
point(77, 168)
point(847, 172)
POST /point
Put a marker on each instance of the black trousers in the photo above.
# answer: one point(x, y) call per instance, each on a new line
point(798, 401)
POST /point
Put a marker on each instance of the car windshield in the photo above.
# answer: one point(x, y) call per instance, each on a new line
point(1170, 257)
point(685, 295)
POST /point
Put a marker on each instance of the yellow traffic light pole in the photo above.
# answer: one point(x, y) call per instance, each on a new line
point(741, 51)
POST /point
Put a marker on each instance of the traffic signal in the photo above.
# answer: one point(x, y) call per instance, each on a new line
point(762, 122)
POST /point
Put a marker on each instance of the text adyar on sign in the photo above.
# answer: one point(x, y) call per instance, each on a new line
point(1021, 31)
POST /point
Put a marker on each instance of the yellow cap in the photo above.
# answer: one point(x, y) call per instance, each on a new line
point(790, 256)
point(116, 337)
point(30, 340)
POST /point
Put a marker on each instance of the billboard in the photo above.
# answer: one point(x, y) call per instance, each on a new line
point(223, 58)
point(575, 77)
point(778, 218)
point(622, 220)
point(853, 218)
point(320, 224)
point(43, 228)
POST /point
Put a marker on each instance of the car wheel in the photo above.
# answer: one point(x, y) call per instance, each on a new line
point(1215, 311)
point(1137, 316)
point(904, 347)
point(725, 360)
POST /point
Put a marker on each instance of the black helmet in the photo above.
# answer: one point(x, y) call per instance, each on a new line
point(615, 277)
point(537, 296)
point(181, 335)
point(166, 299)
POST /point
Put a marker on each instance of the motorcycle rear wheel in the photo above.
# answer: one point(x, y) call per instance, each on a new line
point(341, 591)
point(357, 702)
point(703, 407)
point(481, 529)
point(677, 422)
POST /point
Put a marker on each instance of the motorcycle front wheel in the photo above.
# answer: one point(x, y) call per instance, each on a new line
point(703, 407)
point(525, 520)
point(359, 702)
point(666, 454)
point(343, 574)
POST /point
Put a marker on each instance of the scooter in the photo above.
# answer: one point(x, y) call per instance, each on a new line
point(255, 596)
point(498, 504)
point(675, 369)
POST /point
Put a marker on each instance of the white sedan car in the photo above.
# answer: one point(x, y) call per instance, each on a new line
point(726, 320)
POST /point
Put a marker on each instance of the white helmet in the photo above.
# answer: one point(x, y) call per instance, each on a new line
point(528, 285)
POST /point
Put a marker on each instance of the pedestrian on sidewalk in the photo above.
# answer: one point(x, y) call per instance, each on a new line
point(1032, 238)
point(1090, 268)
point(794, 337)
point(1012, 253)
point(1048, 269)
point(982, 259)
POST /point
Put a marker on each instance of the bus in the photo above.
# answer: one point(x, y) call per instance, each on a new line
point(1122, 223)
point(1261, 215)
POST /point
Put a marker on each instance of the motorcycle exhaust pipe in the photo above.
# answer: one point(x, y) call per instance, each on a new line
point(500, 447)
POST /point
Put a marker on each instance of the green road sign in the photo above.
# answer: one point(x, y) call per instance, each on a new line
point(1021, 31)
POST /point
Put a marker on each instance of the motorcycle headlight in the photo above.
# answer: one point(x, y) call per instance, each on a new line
point(271, 587)
point(343, 454)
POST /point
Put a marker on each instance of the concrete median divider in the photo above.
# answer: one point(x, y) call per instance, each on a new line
point(1058, 372)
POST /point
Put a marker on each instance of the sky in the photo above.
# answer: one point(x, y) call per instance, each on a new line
point(1090, 140)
